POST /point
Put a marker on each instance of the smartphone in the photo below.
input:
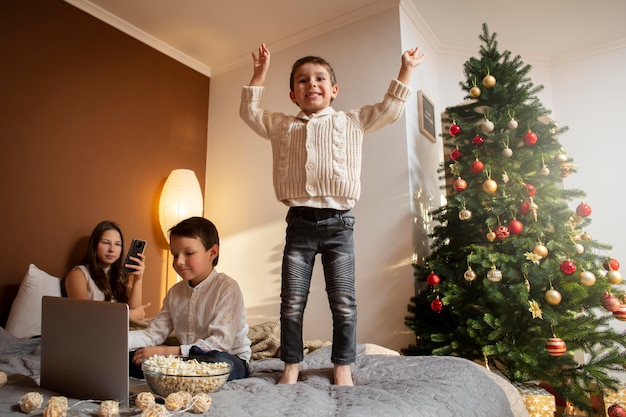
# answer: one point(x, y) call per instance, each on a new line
point(137, 246)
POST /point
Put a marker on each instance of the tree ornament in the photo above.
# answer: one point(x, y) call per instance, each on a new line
point(530, 190)
point(512, 125)
point(540, 250)
point(583, 210)
point(530, 138)
point(474, 91)
point(491, 236)
point(478, 141)
point(465, 214)
point(507, 152)
point(587, 278)
point(614, 277)
point(616, 410)
point(516, 227)
point(490, 186)
point(556, 346)
point(545, 171)
point(494, 275)
point(477, 167)
point(560, 157)
point(524, 207)
point(487, 126)
point(501, 232)
point(489, 80)
point(532, 207)
point(456, 154)
point(433, 279)
point(454, 129)
point(579, 248)
point(568, 267)
point(611, 264)
point(552, 296)
point(620, 313)
point(436, 305)
point(469, 275)
point(586, 236)
point(610, 302)
point(459, 185)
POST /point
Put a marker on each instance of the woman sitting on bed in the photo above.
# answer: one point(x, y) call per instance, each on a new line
point(100, 275)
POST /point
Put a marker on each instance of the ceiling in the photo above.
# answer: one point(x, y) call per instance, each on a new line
point(214, 36)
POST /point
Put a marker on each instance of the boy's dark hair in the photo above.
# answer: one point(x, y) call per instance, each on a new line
point(198, 227)
point(314, 60)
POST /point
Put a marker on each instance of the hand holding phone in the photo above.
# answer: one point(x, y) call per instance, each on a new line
point(137, 246)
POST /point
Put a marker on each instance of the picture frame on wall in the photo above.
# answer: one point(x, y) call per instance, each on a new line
point(426, 113)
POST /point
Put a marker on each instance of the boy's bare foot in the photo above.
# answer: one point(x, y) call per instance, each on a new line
point(290, 374)
point(343, 375)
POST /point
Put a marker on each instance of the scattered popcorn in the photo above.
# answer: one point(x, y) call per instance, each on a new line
point(31, 402)
point(108, 408)
point(3, 378)
point(56, 407)
point(144, 400)
point(155, 410)
point(201, 403)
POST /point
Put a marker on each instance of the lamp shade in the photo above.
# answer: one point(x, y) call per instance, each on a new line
point(181, 198)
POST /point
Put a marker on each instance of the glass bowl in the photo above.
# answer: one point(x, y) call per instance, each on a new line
point(169, 374)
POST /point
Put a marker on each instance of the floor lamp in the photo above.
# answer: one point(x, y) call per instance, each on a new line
point(181, 198)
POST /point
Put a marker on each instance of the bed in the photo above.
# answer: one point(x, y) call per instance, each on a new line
point(386, 385)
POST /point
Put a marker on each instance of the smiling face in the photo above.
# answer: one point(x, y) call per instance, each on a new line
point(192, 262)
point(109, 248)
point(312, 88)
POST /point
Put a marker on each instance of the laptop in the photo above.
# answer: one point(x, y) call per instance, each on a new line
point(84, 349)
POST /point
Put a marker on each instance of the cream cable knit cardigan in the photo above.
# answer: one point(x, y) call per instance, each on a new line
point(319, 156)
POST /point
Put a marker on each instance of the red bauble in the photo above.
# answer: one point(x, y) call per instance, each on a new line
point(459, 185)
point(478, 141)
point(454, 129)
point(530, 190)
point(556, 346)
point(530, 138)
point(583, 210)
point(616, 410)
point(433, 279)
point(456, 154)
point(568, 267)
point(611, 264)
point(620, 313)
point(436, 305)
point(501, 232)
point(524, 207)
point(515, 226)
point(611, 302)
point(477, 167)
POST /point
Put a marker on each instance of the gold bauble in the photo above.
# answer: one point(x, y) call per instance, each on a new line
point(587, 278)
point(540, 250)
point(491, 236)
point(474, 91)
point(614, 277)
point(489, 81)
point(490, 186)
point(553, 297)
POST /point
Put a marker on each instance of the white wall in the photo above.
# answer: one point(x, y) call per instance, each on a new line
point(366, 55)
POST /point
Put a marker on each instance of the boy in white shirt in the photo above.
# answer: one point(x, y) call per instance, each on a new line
point(205, 311)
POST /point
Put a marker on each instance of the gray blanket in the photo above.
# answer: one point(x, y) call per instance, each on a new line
point(386, 385)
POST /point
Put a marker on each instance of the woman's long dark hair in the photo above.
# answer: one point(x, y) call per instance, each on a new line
point(115, 284)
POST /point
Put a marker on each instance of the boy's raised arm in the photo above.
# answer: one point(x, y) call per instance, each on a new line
point(410, 60)
point(261, 65)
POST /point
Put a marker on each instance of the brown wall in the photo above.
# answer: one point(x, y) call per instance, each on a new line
point(91, 123)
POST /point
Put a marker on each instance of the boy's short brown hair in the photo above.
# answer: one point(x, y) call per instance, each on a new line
point(198, 227)
point(314, 60)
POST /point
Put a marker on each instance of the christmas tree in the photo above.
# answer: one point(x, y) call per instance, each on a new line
point(513, 279)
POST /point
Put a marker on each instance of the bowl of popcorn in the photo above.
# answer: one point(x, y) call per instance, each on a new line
point(169, 374)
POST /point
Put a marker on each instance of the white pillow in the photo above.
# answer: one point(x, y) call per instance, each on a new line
point(25, 316)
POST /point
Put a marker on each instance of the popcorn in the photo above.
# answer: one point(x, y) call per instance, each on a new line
point(155, 410)
point(201, 403)
point(144, 400)
point(31, 402)
point(170, 374)
point(56, 407)
point(3, 378)
point(108, 408)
